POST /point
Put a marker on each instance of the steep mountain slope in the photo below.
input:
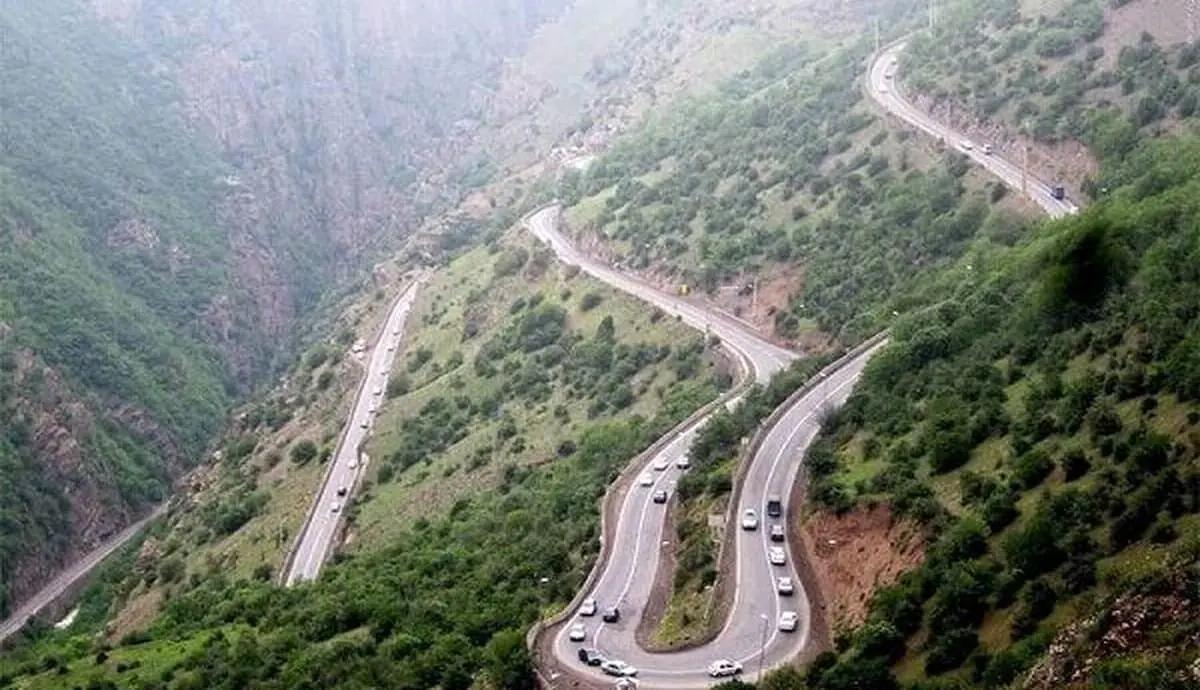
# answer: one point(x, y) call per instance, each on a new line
point(180, 184)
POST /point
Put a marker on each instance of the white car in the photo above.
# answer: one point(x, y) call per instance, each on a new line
point(588, 608)
point(776, 555)
point(987, 149)
point(683, 463)
point(353, 464)
point(365, 424)
point(377, 392)
point(577, 633)
point(661, 464)
point(788, 620)
point(750, 520)
point(337, 505)
point(646, 480)
point(616, 667)
point(785, 586)
point(967, 146)
point(722, 668)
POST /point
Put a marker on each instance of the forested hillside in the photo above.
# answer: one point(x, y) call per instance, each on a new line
point(787, 172)
point(114, 255)
point(1041, 420)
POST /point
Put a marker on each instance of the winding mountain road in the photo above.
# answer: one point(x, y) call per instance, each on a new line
point(884, 88)
point(625, 579)
point(320, 528)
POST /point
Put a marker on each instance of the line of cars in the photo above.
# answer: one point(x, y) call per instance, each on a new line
point(594, 657)
point(776, 555)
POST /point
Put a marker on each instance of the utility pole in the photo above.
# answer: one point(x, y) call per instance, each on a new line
point(1024, 168)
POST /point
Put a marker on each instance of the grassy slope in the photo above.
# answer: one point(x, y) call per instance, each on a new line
point(466, 291)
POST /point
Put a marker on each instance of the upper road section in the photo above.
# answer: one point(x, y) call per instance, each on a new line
point(765, 357)
point(883, 86)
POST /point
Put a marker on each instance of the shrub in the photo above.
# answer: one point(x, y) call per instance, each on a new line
point(590, 301)
point(303, 452)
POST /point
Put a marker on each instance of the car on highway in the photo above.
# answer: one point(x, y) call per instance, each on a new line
point(788, 620)
point(749, 520)
point(377, 392)
point(776, 555)
point(683, 463)
point(341, 491)
point(337, 505)
point(776, 532)
point(785, 587)
point(660, 496)
point(588, 607)
point(353, 464)
point(365, 423)
point(987, 149)
point(591, 657)
point(646, 479)
point(616, 667)
point(774, 506)
point(966, 145)
point(661, 464)
point(577, 633)
point(723, 668)
point(612, 614)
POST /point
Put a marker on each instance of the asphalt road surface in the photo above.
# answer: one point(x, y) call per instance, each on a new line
point(883, 87)
point(69, 577)
point(316, 540)
point(765, 356)
point(751, 634)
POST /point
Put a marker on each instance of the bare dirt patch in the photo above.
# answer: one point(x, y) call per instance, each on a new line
point(855, 554)
point(1165, 20)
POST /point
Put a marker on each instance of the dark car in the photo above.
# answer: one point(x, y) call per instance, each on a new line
point(591, 657)
point(774, 506)
point(611, 615)
point(660, 496)
point(777, 533)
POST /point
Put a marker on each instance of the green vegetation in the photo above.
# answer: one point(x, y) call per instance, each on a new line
point(1051, 76)
point(1059, 350)
point(787, 165)
point(447, 600)
point(111, 253)
point(510, 358)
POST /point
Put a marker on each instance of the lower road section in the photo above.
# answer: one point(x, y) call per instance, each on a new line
point(753, 635)
point(320, 529)
point(72, 576)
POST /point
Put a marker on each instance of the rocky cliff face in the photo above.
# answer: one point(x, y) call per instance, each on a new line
point(336, 115)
